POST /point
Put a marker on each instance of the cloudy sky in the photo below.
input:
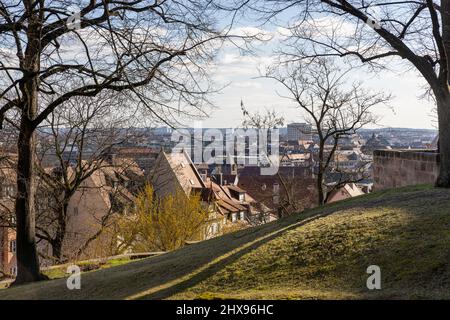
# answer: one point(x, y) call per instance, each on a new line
point(240, 72)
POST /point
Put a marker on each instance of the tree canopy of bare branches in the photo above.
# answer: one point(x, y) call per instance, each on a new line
point(334, 107)
point(376, 33)
point(152, 51)
point(75, 143)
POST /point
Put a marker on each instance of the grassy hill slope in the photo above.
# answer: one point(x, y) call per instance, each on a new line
point(320, 254)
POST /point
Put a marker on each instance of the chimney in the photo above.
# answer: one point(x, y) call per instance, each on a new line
point(204, 175)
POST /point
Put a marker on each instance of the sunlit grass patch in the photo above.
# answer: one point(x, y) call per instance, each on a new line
point(322, 253)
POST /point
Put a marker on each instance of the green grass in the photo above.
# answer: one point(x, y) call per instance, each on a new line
point(85, 266)
point(59, 272)
point(322, 253)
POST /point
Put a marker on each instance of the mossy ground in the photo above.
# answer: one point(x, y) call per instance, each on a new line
point(61, 272)
point(322, 253)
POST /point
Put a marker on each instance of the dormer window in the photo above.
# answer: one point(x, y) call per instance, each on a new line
point(276, 188)
point(12, 246)
point(214, 228)
point(7, 191)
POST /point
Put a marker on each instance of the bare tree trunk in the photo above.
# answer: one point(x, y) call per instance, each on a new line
point(320, 173)
point(443, 104)
point(34, 30)
point(57, 250)
point(57, 244)
point(320, 192)
point(27, 258)
point(443, 107)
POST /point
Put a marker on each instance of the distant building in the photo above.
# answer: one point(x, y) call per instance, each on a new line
point(376, 142)
point(173, 172)
point(366, 185)
point(8, 264)
point(108, 189)
point(434, 144)
point(162, 131)
point(299, 131)
point(144, 156)
point(348, 160)
point(349, 190)
point(227, 203)
point(296, 159)
point(271, 189)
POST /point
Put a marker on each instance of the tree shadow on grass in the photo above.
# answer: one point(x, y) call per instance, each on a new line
point(161, 276)
point(218, 264)
point(166, 275)
point(400, 243)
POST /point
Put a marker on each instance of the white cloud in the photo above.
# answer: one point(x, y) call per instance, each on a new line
point(242, 73)
point(255, 84)
point(252, 32)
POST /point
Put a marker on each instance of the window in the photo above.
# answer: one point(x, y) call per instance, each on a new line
point(191, 181)
point(11, 191)
point(234, 217)
point(13, 271)
point(7, 191)
point(214, 228)
point(242, 215)
point(276, 199)
point(12, 246)
point(276, 188)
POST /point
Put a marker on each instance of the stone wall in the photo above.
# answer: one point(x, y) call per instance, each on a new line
point(396, 168)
